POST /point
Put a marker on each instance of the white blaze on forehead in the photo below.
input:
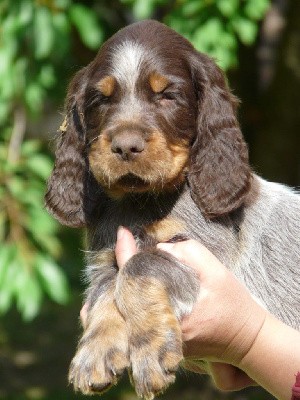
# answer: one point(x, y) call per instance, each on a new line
point(126, 60)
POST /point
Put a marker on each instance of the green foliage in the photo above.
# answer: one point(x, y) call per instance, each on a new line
point(39, 42)
point(217, 27)
point(27, 232)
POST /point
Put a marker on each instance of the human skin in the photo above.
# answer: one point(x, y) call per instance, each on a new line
point(241, 341)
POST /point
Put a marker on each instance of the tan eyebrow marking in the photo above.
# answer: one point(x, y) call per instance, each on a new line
point(158, 82)
point(106, 85)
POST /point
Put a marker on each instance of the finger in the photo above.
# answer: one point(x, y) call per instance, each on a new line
point(194, 254)
point(83, 314)
point(228, 377)
point(125, 246)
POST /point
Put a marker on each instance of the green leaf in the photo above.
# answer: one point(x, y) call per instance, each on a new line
point(43, 32)
point(40, 164)
point(19, 75)
point(47, 76)
point(87, 25)
point(246, 29)
point(25, 14)
point(33, 197)
point(49, 243)
point(228, 7)
point(16, 186)
point(34, 96)
point(207, 36)
point(39, 221)
point(30, 147)
point(53, 279)
point(7, 289)
point(256, 9)
point(192, 7)
point(7, 253)
point(7, 54)
point(28, 294)
point(143, 9)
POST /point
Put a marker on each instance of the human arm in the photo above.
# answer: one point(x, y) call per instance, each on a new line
point(227, 325)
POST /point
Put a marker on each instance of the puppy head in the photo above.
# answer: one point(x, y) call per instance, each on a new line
point(148, 113)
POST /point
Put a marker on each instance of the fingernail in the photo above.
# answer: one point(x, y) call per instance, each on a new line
point(165, 246)
point(120, 232)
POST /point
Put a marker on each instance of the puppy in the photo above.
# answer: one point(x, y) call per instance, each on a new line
point(151, 141)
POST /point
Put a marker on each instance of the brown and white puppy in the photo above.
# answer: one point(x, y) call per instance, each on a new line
point(151, 141)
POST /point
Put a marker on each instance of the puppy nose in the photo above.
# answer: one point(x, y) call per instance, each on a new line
point(128, 146)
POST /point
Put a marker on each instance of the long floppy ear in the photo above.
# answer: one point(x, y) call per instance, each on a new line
point(69, 197)
point(220, 175)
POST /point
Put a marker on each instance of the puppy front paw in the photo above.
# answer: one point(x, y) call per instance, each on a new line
point(155, 358)
point(102, 355)
point(155, 343)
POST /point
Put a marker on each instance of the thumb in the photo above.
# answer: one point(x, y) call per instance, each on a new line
point(194, 254)
point(125, 246)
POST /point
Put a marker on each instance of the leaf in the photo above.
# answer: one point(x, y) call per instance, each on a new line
point(43, 32)
point(25, 14)
point(34, 95)
point(53, 279)
point(256, 9)
point(39, 221)
point(87, 25)
point(30, 147)
point(49, 243)
point(228, 7)
point(192, 7)
point(28, 294)
point(246, 29)
point(7, 54)
point(7, 252)
point(47, 76)
point(143, 9)
point(9, 285)
point(40, 165)
point(207, 36)
point(16, 186)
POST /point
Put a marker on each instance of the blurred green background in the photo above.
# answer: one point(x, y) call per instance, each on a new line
point(42, 44)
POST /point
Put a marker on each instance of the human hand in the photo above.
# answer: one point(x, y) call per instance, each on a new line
point(225, 319)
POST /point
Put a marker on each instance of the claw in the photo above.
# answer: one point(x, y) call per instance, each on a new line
point(99, 388)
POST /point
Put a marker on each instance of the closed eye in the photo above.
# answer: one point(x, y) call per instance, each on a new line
point(95, 99)
point(166, 97)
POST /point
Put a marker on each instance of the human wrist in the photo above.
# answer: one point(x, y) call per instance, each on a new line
point(274, 358)
point(250, 323)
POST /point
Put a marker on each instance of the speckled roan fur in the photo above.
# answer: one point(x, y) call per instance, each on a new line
point(251, 225)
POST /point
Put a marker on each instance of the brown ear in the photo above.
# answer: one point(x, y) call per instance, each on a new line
point(71, 187)
point(220, 174)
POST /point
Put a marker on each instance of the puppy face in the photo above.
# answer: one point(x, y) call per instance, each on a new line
point(140, 118)
point(146, 115)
